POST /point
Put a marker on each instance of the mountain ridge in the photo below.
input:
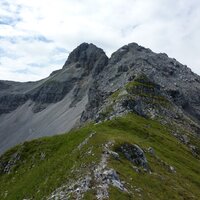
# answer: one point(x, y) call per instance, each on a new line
point(131, 124)
point(83, 84)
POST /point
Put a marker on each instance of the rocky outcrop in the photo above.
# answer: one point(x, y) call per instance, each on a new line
point(179, 82)
point(10, 102)
point(134, 154)
point(88, 56)
point(50, 92)
point(168, 91)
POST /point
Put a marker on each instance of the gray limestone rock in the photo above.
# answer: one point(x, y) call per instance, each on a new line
point(84, 84)
point(151, 151)
point(88, 56)
point(134, 154)
point(52, 105)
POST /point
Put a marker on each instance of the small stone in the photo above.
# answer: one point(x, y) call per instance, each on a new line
point(114, 154)
point(172, 170)
point(185, 139)
point(151, 151)
point(136, 169)
point(117, 184)
point(42, 156)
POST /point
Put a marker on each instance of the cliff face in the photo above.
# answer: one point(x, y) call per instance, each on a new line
point(82, 65)
point(177, 81)
point(92, 87)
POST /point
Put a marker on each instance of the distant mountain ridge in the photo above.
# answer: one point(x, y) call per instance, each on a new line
point(81, 92)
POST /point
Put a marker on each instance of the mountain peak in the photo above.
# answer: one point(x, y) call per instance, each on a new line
point(84, 54)
point(87, 82)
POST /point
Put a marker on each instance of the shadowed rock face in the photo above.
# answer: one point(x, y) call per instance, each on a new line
point(4, 85)
point(81, 87)
point(83, 64)
point(10, 102)
point(88, 56)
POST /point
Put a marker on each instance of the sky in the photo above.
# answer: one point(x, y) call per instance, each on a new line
point(36, 36)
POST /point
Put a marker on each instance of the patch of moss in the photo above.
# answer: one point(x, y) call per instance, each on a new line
point(114, 95)
point(106, 112)
point(133, 85)
point(140, 82)
point(142, 78)
point(116, 194)
point(156, 100)
point(149, 91)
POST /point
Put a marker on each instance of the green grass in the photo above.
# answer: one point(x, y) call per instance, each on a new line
point(106, 112)
point(134, 84)
point(147, 90)
point(36, 178)
point(115, 94)
point(142, 87)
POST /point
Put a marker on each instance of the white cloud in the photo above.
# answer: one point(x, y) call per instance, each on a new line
point(57, 27)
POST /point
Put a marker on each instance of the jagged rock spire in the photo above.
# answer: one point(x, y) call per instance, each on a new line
point(88, 56)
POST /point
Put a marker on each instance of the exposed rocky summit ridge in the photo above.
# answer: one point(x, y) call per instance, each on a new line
point(176, 81)
point(91, 85)
point(89, 57)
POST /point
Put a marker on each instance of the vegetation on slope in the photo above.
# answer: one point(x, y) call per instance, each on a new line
point(38, 167)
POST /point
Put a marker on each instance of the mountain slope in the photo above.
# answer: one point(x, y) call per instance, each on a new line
point(177, 81)
point(52, 105)
point(80, 91)
point(136, 128)
point(72, 165)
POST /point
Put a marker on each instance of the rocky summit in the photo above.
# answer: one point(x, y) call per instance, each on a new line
point(132, 124)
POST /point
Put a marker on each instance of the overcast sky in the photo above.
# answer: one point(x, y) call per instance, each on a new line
point(36, 36)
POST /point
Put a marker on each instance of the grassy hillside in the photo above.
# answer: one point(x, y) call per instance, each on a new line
point(35, 169)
